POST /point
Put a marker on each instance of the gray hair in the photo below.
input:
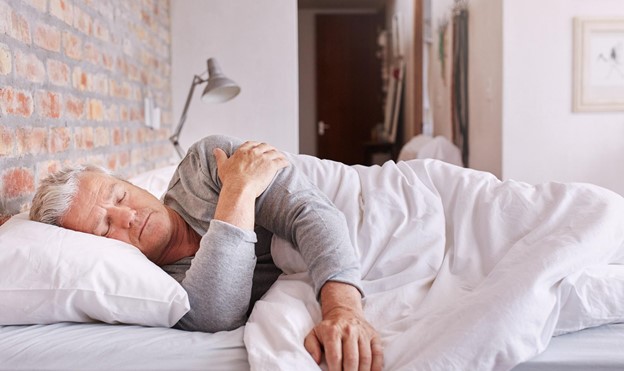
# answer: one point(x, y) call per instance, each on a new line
point(57, 191)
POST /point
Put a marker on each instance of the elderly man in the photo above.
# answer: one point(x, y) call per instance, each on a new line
point(212, 233)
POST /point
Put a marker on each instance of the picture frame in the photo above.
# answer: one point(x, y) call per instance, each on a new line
point(598, 64)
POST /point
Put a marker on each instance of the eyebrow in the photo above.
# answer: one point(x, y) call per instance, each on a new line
point(109, 195)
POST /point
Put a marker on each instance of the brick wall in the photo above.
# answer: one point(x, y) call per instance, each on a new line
point(73, 78)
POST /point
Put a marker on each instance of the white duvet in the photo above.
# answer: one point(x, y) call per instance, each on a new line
point(461, 271)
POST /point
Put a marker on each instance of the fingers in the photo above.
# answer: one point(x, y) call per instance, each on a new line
point(346, 348)
point(265, 150)
point(364, 348)
point(220, 156)
point(333, 352)
point(376, 354)
point(313, 346)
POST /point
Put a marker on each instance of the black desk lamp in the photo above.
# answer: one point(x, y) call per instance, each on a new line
point(219, 89)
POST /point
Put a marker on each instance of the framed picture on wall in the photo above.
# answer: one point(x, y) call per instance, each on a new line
point(598, 64)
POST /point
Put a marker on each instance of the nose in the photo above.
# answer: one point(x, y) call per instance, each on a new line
point(122, 216)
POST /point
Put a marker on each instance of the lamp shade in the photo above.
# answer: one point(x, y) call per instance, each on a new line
point(219, 88)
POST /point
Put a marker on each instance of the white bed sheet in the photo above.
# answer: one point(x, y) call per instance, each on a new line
point(96, 346)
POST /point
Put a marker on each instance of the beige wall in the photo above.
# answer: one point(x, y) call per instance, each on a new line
point(520, 78)
point(439, 74)
point(542, 138)
point(73, 75)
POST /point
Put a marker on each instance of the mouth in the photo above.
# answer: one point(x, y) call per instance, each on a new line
point(144, 224)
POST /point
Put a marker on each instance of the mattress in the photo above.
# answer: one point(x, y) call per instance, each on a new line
point(596, 349)
point(96, 346)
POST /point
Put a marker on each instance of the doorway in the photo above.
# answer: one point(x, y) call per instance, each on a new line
point(311, 89)
point(349, 101)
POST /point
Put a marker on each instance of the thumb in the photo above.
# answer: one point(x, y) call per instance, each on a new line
point(220, 156)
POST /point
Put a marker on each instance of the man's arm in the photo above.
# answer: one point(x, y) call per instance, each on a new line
point(220, 278)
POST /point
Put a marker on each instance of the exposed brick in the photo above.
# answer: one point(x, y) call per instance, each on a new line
point(6, 141)
point(136, 156)
point(122, 65)
point(5, 18)
point(72, 45)
point(80, 79)
point(129, 134)
point(19, 28)
point(60, 139)
point(111, 161)
point(101, 136)
point(48, 37)
point(17, 181)
point(117, 136)
point(62, 9)
point(99, 84)
point(32, 141)
point(136, 114)
point(111, 113)
point(120, 89)
point(107, 61)
point(46, 168)
point(91, 53)
point(101, 31)
point(18, 103)
point(95, 110)
point(29, 67)
point(48, 104)
point(58, 58)
point(58, 72)
point(83, 137)
point(82, 21)
point(74, 107)
point(123, 159)
point(124, 114)
point(6, 63)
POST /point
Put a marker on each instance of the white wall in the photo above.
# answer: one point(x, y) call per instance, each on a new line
point(256, 45)
point(542, 139)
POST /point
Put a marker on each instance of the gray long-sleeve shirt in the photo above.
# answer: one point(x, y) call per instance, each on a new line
point(233, 267)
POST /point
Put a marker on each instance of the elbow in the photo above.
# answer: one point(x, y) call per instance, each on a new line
point(210, 325)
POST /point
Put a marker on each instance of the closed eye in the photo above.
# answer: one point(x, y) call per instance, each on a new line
point(122, 198)
point(108, 227)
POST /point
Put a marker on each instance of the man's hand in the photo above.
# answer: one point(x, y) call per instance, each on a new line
point(251, 167)
point(244, 176)
point(348, 340)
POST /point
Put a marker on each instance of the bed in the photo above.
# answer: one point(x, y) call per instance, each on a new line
point(449, 283)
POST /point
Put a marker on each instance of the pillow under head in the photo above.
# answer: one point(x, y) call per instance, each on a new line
point(51, 274)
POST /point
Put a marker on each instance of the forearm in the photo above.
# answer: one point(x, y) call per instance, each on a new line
point(236, 206)
point(219, 280)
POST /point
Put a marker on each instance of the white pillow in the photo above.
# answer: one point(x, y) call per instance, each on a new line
point(51, 274)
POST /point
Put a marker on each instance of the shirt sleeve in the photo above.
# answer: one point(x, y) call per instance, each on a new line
point(219, 280)
point(220, 277)
point(295, 209)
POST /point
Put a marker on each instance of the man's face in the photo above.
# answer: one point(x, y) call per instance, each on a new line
point(109, 207)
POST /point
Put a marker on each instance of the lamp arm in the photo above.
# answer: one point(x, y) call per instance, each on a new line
point(176, 134)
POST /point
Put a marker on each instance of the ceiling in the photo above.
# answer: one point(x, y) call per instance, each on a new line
point(340, 4)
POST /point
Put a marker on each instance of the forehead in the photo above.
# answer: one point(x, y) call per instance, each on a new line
point(92, 189)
